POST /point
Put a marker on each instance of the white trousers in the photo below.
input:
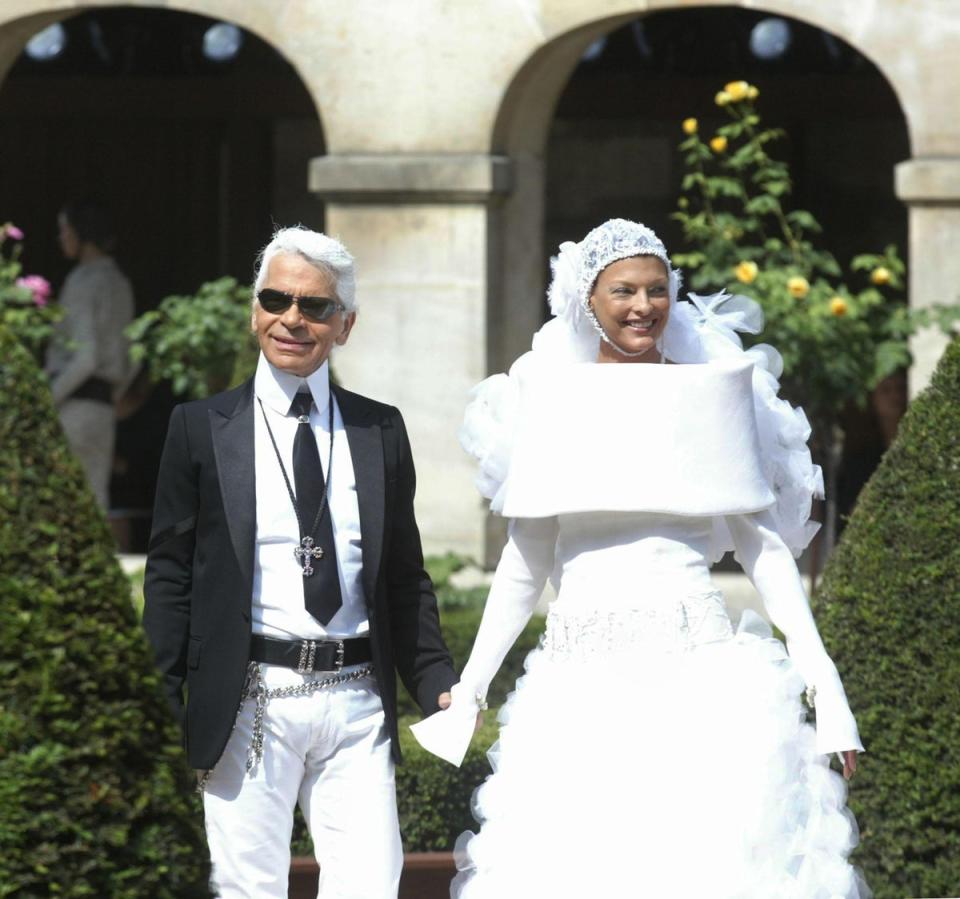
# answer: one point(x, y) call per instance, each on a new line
point(90, 431)
point(330, 752)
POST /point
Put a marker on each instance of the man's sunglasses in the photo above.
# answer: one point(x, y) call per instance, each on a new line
point(315, 309)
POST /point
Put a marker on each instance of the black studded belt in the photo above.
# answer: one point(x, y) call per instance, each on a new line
point(307, 656)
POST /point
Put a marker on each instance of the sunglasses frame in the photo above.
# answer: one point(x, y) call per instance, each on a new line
point(330, 303)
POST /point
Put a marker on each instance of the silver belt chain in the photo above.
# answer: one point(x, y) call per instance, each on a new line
point(257, 689)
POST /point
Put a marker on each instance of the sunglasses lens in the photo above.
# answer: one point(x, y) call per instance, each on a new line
point(274, 301)
point(317, 309)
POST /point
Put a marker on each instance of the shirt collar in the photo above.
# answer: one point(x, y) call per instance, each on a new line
point(276, 388)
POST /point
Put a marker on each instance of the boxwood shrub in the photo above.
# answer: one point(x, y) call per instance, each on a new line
point(434, 797)
point(889, 608)
point(95, 796)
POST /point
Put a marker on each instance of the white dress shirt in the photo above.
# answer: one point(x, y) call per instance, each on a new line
point(278, 605)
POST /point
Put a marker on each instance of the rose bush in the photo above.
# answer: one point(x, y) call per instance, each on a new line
point(25, 306)
point(840, 331)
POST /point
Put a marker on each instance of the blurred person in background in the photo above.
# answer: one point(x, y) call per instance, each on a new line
point(88, 361)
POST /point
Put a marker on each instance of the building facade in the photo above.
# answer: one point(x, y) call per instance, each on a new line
point(435, 118)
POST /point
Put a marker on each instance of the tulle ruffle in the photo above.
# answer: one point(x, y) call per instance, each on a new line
point(668, 775)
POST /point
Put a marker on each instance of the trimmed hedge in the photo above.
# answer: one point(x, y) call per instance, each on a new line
point(889, 606)
point(95, 797)
point(434, 797)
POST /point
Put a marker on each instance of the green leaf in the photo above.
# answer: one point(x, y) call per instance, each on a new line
point(803, 219)
point(762, 205)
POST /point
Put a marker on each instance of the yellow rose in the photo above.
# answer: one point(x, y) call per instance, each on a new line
point(838, 306)
point(718, 144)
point(722, 99)
point(798, 286)
point(753, 93)
point(690, 126)
point(880, 276)
point(737, 90)
point(746, 271)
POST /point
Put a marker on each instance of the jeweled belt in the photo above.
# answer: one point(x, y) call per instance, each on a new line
point(673, 625)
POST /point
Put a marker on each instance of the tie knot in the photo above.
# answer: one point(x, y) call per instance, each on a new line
point(301, 405)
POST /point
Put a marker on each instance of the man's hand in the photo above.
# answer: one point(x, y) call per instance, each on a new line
point(849, 763)
point(444, 699)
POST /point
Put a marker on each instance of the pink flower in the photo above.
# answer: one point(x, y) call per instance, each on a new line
point(38, 286)
point(14, 232)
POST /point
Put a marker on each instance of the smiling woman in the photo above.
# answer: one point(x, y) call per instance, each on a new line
point(631, 304)
point(717, 463)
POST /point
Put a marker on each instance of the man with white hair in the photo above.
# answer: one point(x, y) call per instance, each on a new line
point(285, 589)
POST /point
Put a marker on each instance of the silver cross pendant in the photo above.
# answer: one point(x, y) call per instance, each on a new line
point(305, 553)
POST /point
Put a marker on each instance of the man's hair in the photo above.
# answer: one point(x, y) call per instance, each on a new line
point(324, 253)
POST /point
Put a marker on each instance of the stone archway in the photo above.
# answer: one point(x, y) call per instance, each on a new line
point(920, 69)
point(522, 132)
point(196, 160)
point(929, 186)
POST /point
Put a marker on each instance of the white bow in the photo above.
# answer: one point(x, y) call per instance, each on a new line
point(729, 313)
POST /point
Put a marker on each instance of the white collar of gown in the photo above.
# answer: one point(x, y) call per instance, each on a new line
point(679, 439)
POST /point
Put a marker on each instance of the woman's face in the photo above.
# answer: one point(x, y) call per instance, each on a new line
point(69, 239)
point(631, 299)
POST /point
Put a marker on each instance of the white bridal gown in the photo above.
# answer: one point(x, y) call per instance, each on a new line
point(650, 749)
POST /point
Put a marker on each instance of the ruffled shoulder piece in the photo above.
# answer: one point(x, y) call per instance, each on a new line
point(705, 329)
point(708, 328)
point(489, 428)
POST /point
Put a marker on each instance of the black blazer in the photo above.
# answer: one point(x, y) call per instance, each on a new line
point(199, 578)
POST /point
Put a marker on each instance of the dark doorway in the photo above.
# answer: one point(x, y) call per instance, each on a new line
point(196, 158)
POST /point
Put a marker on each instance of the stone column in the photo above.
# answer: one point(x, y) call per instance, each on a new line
point(930, 186)
point(418, 227)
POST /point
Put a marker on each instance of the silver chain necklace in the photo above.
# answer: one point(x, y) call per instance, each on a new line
point(306, 550)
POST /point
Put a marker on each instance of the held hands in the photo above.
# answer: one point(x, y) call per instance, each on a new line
point(444, 699)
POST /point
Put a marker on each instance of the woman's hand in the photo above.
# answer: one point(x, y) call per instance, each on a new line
point(849, 763)
point(444, 700)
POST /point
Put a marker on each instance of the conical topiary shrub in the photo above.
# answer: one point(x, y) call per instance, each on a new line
point(889, 606)
point(95, 798)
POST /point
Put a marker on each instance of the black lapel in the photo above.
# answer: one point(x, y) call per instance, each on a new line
point(231, 426)
point(366, 451)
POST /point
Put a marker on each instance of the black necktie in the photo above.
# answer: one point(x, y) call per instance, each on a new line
point(321, 591)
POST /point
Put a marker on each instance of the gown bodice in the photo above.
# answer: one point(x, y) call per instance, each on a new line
point(630, 580)
point(630, 558)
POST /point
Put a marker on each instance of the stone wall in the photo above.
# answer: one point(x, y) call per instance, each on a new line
point(436, 118)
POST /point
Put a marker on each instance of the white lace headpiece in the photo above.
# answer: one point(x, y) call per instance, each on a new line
point(578, 265)
point(701, 330)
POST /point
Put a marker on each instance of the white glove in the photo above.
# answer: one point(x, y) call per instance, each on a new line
point(770, 566)
point(524, 567)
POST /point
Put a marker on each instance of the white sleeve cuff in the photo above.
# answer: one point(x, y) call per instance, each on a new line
point(836, 726)
point(447, 733)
